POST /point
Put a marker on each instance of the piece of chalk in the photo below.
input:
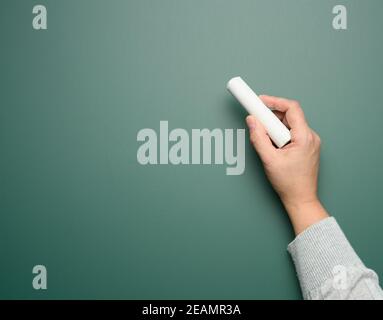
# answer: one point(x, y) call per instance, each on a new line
point(276, 130)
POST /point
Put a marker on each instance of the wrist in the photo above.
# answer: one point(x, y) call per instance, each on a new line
point(304, 213)
point(300, 203)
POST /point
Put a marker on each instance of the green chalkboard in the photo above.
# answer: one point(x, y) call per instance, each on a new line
point(73, 97)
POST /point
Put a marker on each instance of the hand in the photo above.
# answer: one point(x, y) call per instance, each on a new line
point(293, 169)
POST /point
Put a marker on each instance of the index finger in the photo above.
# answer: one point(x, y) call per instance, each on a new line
point(293, 112)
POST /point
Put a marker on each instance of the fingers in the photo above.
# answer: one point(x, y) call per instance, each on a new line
point(294, 115)
point(281, 116)
point(294, 112)
point(260, 139)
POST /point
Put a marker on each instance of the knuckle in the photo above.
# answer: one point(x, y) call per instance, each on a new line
point(310, 138)
point(319, 140)
point(296, 108)
point(295, 104)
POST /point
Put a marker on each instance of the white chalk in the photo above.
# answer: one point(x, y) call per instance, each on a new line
point(276, 130)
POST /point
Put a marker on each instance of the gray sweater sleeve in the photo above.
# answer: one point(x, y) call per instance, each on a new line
point(328, 267)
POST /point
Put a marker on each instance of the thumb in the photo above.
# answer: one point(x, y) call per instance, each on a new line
point(260, 139)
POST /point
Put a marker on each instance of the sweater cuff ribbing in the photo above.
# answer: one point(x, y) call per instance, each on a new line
point(317, 250)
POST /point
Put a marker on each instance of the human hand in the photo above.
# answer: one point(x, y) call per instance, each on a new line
point(293, 169)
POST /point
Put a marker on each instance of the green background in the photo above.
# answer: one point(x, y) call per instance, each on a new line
point(73, 97)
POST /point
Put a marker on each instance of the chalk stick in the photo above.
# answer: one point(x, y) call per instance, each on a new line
point(276, 130)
